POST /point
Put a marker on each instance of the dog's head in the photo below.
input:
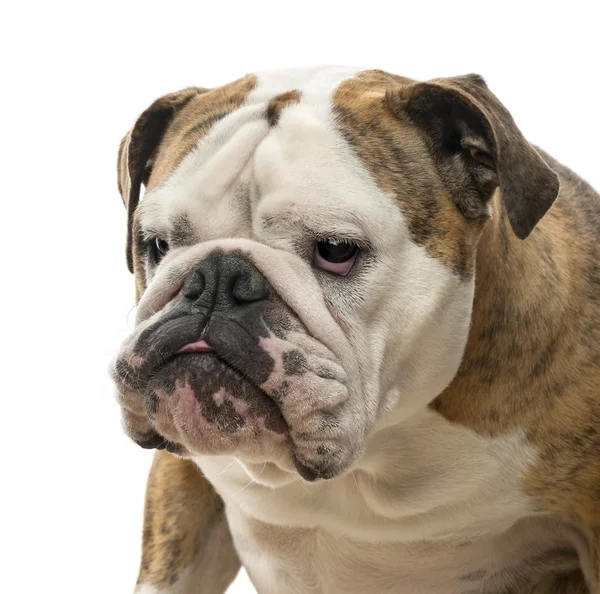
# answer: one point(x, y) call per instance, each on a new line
point(304, 257)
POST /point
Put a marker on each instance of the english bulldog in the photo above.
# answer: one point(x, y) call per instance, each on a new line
point(367, 345)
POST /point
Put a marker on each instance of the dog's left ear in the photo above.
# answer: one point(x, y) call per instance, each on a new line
point(138, 150)
point(477, 147)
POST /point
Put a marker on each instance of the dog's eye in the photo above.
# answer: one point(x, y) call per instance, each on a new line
point(158, 249)
point(336, 256)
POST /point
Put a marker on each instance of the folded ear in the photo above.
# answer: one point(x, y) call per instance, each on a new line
point(477, 147)
point(138, 150)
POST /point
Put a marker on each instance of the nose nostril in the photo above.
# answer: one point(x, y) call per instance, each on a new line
point(194, 286)
point(249, 288)
point(226, 280)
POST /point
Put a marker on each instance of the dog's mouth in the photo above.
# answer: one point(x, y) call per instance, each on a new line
point(199, 346)
point(218, 385)
point(206, 397)
point(200, 401)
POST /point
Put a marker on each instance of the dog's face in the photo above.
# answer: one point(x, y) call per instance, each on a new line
point(304, 256)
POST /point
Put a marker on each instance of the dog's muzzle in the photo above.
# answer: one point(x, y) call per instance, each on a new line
point(227, 368)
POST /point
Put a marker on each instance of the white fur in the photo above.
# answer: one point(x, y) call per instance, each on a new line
point(315, 84)
point(421, 479)
point(424, 478)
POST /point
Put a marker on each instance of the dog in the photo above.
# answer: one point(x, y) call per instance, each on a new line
point(367, 344)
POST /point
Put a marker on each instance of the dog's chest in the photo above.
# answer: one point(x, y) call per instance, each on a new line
point(430, 508)
point(314, 560)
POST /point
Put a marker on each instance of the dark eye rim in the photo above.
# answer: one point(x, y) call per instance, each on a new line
point(353, 249)
point(157, 248)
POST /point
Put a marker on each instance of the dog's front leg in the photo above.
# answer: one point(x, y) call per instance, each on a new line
point(187, 547)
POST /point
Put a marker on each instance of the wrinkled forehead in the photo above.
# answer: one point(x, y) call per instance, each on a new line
point(272, 139)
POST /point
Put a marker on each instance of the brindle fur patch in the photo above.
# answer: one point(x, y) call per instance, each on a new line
point(194, 122)
point(397, 157)
point(279, 103)
point(532, 360)
point(181, 506)
point(561, 583)
point(187, 127)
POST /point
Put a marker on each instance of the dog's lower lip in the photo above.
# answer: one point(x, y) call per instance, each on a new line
point(200, 346)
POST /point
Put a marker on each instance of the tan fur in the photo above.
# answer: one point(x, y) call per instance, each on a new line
point(194, 121)
point(396, 156)
point(181, 505)
point(555, 583)
point(181, 508)
point(532, 359)
point(279, 103)
point(194, 112)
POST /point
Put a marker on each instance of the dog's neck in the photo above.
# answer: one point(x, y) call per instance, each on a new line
point(521, 291)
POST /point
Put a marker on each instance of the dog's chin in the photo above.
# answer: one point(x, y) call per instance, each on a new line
point(200, 405)
point(200, 402)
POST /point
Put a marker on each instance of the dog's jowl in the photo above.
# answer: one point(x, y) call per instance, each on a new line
point(367, 345)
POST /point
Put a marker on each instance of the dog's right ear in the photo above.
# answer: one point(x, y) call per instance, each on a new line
point(138, 150)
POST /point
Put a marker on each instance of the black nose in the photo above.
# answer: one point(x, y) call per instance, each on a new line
point(227, 279)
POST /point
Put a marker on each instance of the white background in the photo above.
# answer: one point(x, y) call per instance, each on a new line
point(75, 77)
